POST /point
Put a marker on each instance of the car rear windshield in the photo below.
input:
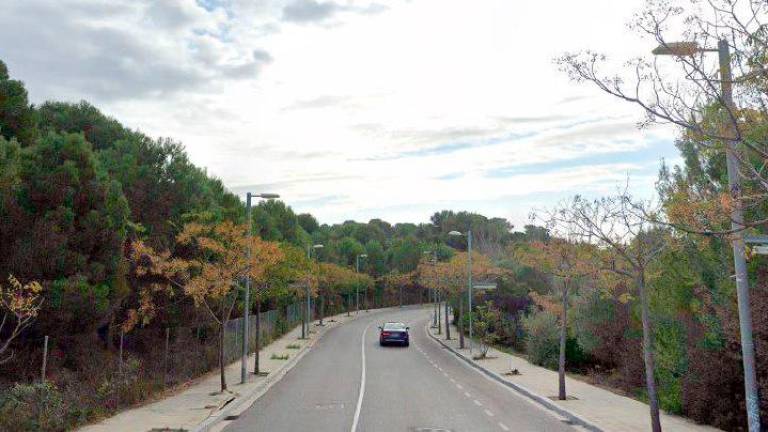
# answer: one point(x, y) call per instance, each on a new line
point(394, 326)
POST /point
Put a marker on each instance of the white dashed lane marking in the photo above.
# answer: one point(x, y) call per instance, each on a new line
point(487, 412)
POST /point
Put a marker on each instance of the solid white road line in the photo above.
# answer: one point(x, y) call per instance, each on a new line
point(362, 383)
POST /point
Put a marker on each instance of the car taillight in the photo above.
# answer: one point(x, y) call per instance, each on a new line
point(385, 333)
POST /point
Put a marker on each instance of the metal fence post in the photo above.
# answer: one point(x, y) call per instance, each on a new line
point(45, 358)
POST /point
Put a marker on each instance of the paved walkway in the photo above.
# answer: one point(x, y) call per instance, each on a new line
point(200, 403)
point(602, 408)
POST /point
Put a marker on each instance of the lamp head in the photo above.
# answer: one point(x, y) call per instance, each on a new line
point(679, 49)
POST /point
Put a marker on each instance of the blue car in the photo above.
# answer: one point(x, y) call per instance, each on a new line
point(394, 333)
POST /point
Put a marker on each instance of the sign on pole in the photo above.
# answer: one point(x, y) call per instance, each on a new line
point(484, 286)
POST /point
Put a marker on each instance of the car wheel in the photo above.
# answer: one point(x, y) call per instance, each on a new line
point(407, 343)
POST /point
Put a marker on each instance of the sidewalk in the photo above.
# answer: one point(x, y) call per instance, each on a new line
point(598, 408)
point(200, 405)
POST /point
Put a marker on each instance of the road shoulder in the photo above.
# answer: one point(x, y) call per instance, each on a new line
point(593, 408)
point(199, 406)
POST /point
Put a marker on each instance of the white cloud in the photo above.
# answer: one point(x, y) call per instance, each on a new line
point(354, 109)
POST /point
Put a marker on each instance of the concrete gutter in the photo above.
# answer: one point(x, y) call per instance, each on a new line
point(242, 403)
point(541, 400)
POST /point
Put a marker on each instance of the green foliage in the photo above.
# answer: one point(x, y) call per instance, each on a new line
point(308, 223)
point(66, 222)
point(486, 322)
point(405, 255)
point(274, 221)
point(543, 338)
point(17, 118)
point(32, 407)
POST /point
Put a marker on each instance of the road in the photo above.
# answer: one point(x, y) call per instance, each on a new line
point(416, 389)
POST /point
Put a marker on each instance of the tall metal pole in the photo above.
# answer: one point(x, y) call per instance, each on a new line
point(469, 291)
point(247, 299)
point(739, 256)
point(309, 296)
point(438, 302)
point(434, 290)
point(357, 286)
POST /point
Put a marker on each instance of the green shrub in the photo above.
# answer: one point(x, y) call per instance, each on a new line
point(32, 407)
point(542, 342)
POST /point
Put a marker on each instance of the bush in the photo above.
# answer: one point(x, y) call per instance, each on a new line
point(32, 407)
point(542, 342)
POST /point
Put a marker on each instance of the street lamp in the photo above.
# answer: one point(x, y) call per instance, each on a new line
point(469, 281)
point(435, 320)
point(357, 286)
point(247, 301)
point(309, 305)
point(683, 49)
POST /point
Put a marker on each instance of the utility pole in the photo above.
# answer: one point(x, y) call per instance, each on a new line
point(247, 298)
point(739, 255)
point(357, 286)
point(732, 153)
point(309, 310)
point(309, 296)
point(434, 290)
point(469, 294)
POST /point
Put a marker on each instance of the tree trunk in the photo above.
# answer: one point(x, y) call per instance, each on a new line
point(221, 357)
point(257, 357)
point(348, 305)
point(434, 305)
point(322, 309)
point(439, 314)
point(461, 321)
point(447, 323)
point(650, 380)
point(304, 326)
point(563, 337)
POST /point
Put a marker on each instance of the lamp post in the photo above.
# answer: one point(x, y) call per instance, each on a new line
point(247, 300)
point(433, 290)
point(309, 303)
point(469, 281)
point(357, 286)
point(682, 49)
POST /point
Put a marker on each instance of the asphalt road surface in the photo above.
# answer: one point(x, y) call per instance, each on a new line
point(422, 388)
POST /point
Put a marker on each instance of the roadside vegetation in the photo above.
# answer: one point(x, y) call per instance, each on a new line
point(107, 234)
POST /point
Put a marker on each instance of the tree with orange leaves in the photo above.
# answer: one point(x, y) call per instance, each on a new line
point(453, 277)
point(20, 304)
point(209, 262)
point(563, 259)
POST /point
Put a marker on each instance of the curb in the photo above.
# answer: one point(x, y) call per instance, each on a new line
point(242, 403)
point(541, 400)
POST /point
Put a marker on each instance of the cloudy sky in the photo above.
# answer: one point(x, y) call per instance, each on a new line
point(356, 109)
